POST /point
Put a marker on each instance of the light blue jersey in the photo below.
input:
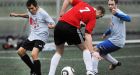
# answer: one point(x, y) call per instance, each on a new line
point(117, 28)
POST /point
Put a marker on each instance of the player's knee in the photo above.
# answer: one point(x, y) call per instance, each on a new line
point(21, 52)
point(60, 51)
point(82, 47)
point(34, 56)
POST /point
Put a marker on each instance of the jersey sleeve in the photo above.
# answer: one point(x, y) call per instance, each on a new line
point(123, 16)
point(48, 18)
point(90, 25)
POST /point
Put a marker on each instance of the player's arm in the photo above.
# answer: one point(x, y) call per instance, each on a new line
point(122, 16)
point(88, 44)
point(106, 33)
point(88, 33)
point(51, 26)
point(49, 20)
point(24, 15)
point(88, 41)
point(65, 5)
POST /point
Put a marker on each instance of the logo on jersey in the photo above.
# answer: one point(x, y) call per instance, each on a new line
point(40, 45)
point(33, 22)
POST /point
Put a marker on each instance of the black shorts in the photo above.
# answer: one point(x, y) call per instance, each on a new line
point(29, 45)
point(65, 32)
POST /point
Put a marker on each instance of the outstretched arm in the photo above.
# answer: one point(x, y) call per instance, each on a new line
point(106, 33)
point(122, 16)
point(24, 15)
point(65, 6)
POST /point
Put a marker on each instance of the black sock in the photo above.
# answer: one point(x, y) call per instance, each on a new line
point(28, 61)
point(37, 67)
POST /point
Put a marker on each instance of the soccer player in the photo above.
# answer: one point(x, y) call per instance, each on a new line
point(40, 22)
point(68, 27)
point(115, 41)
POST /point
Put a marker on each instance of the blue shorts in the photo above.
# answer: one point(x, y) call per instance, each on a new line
point(106, 47)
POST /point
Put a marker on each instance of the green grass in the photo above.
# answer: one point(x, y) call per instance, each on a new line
point(10, 63)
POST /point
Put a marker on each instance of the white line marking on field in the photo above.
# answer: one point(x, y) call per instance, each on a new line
point(63, 59)
point(8, 51)
point(72, 59)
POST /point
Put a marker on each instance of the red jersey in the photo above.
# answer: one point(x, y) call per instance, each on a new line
point(81, 11)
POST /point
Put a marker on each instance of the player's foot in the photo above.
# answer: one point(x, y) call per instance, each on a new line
point(32, 73)
point(90, 73)
point(113, 66)
point(96, 73)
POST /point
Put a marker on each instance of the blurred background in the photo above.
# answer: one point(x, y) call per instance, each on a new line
point(18, 29)
point(18, 26)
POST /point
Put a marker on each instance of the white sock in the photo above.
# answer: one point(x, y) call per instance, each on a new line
point(87, 60)
point(110, 59)
point(54, 62)
point(95, 62)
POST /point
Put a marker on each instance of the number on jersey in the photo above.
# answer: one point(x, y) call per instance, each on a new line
point(86, 9)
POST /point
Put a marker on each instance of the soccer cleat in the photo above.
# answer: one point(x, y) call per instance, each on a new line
point(32, 73)
point(113, 66)
point(90, 73)
point(96, 73)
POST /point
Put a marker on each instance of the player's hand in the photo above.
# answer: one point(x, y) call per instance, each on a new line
point(13, 15)
point(103, 36)
point(97, 55)
point(114, 10)
point(62, 13)
point(51, 26)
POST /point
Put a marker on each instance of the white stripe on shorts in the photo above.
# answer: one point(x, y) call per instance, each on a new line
point(80, 35)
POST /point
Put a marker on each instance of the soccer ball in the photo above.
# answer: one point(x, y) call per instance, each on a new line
point(67, 71)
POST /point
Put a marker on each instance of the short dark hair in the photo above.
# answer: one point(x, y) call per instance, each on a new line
point(116, 1)
point(31, 2)
point(101, 8)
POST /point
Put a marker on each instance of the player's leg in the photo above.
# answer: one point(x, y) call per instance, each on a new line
point(56, 58)
point(108, 47)
point(36, 61)
point(114, 62)
point(22, 53)
point(77, 38)
point(38, 46)
point(95, 61)
point(59, 39)
point(87, 58)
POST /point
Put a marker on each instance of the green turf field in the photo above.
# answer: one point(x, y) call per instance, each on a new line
point(10, 63)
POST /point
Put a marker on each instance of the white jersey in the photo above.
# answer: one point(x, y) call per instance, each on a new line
point(118, 30)
point(39, 25)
